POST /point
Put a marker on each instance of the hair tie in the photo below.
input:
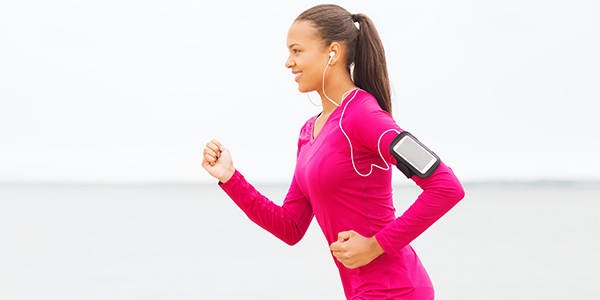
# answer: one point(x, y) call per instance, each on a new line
point(354, 18)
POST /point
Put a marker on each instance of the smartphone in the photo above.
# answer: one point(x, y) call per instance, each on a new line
point(415, 156)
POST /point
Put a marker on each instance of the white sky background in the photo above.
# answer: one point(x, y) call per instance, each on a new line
point(129, 91)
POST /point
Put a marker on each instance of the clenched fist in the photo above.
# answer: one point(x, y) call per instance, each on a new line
point(353, 250)
point(217, 161)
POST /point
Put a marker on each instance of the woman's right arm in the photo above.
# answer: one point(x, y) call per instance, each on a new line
point(287, 222)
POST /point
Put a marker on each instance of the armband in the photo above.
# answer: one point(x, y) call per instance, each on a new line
point(412, 157)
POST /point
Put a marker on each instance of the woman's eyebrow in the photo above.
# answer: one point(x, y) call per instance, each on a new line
point(294, 44)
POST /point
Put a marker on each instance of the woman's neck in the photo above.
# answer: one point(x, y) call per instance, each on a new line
point(335, 91)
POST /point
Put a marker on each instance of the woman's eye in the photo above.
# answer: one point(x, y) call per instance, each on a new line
point(296, 51)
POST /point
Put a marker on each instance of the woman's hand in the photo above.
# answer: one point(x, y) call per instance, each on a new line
point(217, 161)
point(353, 250)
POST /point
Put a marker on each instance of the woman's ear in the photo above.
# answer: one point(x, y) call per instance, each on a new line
point(335, 52)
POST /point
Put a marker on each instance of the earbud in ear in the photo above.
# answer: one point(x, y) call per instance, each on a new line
point(331, 55)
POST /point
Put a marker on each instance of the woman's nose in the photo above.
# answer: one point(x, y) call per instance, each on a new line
point(289, 63)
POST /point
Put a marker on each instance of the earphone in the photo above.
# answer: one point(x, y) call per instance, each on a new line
point(331, 55)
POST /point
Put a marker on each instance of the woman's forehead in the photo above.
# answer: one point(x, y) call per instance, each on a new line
point(301, 33)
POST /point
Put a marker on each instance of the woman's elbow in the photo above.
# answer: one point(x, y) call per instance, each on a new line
point(293, 240)
point(453, 187)
point(451, 190)
point(445, 186)
point(459, 192)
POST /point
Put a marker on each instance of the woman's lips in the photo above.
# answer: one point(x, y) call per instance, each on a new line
point(297, 76)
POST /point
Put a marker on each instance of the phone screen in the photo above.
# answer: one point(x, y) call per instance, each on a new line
point(414, 154)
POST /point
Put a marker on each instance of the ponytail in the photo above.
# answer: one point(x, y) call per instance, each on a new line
point(364, 48)
point(370, 69)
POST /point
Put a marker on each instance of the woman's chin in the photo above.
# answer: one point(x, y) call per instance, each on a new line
point(303, 89)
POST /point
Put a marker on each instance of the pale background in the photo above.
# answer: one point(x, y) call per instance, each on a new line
point(130, 91)
point(105, 107)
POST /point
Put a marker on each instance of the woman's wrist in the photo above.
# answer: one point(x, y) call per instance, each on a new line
point(376, 248)
point(227, 175)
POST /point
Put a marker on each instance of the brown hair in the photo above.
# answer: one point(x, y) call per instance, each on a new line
point(364, 48)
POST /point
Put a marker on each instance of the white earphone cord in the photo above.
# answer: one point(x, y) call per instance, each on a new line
point(331, 55)
point(387, 167)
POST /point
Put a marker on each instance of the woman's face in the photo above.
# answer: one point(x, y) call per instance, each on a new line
point(308, 58)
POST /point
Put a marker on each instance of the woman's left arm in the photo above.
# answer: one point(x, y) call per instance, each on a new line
point(441, 191)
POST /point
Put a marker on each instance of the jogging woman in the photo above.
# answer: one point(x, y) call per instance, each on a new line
point(344, 164)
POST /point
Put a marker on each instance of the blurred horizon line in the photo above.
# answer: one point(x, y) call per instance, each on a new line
point(523, 182)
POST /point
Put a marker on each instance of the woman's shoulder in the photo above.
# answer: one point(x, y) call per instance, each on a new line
point(362, 107)
point(306, 129)
point(306, 132)
point(362, 114)
point(361, 101)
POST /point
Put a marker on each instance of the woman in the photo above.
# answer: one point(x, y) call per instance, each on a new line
point(343, 174)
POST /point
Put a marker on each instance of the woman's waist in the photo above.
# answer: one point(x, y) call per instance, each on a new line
point(365, 223)
point(399, 274)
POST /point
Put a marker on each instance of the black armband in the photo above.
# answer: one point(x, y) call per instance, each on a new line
point(412, 157)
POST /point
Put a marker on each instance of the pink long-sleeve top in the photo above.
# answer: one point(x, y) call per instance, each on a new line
point(325, 185)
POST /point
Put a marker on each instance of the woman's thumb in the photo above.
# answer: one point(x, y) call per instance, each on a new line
point(345, 235)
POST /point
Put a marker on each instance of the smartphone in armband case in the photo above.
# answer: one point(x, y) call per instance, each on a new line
point(413, 157)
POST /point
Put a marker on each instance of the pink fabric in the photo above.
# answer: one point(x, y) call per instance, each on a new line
point(326, 186)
